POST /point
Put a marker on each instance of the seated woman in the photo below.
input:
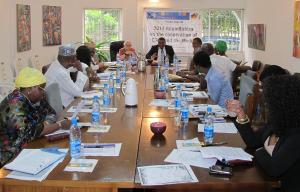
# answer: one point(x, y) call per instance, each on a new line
point(277, 145)
point(127, 51)
point(96, 65)
point(83, 54)
point(25, 114)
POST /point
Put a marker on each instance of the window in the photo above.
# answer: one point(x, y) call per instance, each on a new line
point(223, 25)
point(102, 25)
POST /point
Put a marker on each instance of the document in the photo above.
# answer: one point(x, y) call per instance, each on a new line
point(91, 94)
point(81, 165)
point(100, 129)
point(166, 174)
point(84, 124)
point(98, 86)
point(104, 76)
point(60, 131)
point(88, 109)
point(191, 144)
point(160, 103)
point(196, 108)
point(220, 128)
point(35, 160)
point(108, 110)
point(101, 149)
point(37, 177)
point(193, 158)
point(192, 94)
point(227, 153)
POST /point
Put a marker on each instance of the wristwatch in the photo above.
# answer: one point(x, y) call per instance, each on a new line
point(243, 121)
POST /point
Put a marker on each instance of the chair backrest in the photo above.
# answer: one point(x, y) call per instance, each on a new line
point(251, 74)
point(114, 49)
point(257, 66)
point(247, 85)
point(54, 98)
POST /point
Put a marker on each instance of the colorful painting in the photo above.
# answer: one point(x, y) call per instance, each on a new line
point(296, 49)
point(51, 25)
point(257, 36)
point(23, 28)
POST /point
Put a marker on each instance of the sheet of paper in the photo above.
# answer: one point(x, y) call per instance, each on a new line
point(220, 128)
point(36, 160)
point(227, 153)
point(98, 86)
point(192, 94)
point(104, 75)
point(84, 124)
point(100, 129)
point(190, 158)
point(108, 110)
point(81, 79)
point(91, 94)
point(38, 177)
point(88, 109)
point(81, 165)
point(102, 149)
point(218, 110)
point(160, 103)
point(191, 144)
point(166, 174)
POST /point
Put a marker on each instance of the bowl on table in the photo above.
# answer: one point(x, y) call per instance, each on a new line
point(158, 128)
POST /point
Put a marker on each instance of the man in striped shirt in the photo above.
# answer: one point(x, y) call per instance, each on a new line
point(218, 86)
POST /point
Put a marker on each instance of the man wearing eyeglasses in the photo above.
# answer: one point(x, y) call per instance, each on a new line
point(161, 52)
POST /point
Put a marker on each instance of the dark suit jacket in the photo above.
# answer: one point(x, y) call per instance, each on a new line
point(284, 163)
point(169, 51)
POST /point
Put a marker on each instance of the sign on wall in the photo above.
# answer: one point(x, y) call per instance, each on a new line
point(51, 25)
point(23, 28)
point(177, 27)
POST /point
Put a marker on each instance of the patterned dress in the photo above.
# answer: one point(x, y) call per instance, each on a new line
point(20, 123)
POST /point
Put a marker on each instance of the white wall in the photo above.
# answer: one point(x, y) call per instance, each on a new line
point(72, 22)
point(278, 15)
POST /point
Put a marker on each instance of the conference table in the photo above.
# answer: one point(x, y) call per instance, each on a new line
point(131, 127)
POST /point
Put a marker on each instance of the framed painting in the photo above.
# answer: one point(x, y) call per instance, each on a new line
point(23, 28)
point(257, 36)
point(51, 25)
point(296, 39)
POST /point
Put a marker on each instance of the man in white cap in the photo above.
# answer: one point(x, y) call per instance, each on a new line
point(58, 73)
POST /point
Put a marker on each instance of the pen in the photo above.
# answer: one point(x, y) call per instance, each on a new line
point(215, 144)
point(99, 146)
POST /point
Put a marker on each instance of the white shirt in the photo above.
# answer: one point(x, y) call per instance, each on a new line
point(161, 54)
point(224, 65)
point(68, 89)
point(84, 67)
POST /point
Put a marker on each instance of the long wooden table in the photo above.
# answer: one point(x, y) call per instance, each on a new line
point(130, 126)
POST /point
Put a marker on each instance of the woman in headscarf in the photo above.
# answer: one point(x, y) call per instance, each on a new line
point(25, 114)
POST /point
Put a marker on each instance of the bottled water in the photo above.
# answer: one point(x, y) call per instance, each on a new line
point(118, 78)
point(95, 112)
point(176, 64)
point(123, 72)
point(178, 97)
point(75, 140)
point(209, 126)
point(106, 98)
point(184, 113)
point(118, 59)
point(111, 84)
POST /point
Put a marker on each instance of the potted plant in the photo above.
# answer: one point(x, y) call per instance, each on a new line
point(101, 53)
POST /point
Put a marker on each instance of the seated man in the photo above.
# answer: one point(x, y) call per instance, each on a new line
point(58, 72)
point(127, 51)
point(25, 114)
point(161, 52)
point(218, 86)
point(221, 48)
point(197, 43)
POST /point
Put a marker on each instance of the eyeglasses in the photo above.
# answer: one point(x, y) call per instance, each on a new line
point(43, 89)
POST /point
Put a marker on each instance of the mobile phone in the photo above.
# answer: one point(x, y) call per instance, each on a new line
point(220, 170)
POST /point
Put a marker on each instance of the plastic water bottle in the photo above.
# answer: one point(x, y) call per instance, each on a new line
point(209, 126)
point(123, 72)
point(75, 140)
point(118, 59)
point(106, 98)
point(184, 113)
point(111, 84)
point(178, 97)
point(95, 112)
point(118, 78)
point(175, 61)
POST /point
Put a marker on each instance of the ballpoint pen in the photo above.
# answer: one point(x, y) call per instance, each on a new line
point(215, 144)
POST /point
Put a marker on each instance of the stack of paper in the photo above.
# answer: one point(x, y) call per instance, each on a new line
point(102, 149)
point(220, 128)
point(193, 158)
point(39, 163)
point(166, 174)
point(81, 165)
point(227, 153)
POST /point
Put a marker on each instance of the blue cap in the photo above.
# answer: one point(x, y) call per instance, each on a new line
point(106, 85)
point(95, 97)
point(209, 109)
point(183, 94)
point(74, 121)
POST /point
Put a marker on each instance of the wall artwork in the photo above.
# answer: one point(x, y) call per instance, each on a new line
point(296, 48)
point(257, 36)
point(23, 28)
point(51, 25)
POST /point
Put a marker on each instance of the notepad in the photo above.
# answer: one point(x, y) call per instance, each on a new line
point(81, 165)
point(99, 129)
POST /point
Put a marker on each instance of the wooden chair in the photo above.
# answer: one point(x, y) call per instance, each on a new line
point(247, 88)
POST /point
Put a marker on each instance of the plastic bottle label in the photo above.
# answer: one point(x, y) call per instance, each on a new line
point(75, 148)
point(185, 114)
point(95, 117)
point(177, 103)
point(106, 100)
point(208, 132)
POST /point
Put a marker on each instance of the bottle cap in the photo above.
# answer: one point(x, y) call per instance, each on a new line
point(105, 85)
point(209, 109)
point(95, 98)
point(178, 86)
point(74, 121)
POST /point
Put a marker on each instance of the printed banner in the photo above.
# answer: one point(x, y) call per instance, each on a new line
point(177, 27)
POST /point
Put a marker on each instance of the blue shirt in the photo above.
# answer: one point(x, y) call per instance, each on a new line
point(219, 87)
